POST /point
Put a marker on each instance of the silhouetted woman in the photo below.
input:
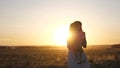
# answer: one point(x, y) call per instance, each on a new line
point(77, 40)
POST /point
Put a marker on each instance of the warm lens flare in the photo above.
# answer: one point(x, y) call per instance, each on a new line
point(61, 34)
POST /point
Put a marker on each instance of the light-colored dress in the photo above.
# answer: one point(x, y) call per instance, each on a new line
point(71, 56)
point(72, 62)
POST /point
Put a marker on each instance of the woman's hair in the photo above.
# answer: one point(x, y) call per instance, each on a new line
point(75, 26)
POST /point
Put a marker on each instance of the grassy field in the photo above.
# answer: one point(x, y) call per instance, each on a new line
point(55, 57)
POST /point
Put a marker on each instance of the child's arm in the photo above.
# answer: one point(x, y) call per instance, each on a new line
point(84, 42)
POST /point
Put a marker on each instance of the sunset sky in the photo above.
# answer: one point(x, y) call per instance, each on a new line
point(35, 22)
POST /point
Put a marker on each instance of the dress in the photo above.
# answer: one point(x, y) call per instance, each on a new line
point(71, 47)
point(72, 62)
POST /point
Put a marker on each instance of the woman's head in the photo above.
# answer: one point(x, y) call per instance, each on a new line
point(75, 26)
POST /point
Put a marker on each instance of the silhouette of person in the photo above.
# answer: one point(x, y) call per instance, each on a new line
point(77, 40)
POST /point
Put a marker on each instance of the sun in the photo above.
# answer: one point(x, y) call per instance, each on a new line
point(61, 34)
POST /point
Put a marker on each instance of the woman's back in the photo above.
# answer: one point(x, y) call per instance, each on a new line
point(77, 40)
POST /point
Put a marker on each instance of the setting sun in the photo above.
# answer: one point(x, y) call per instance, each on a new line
point(61, 34)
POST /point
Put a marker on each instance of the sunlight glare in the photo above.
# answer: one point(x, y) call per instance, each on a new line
point(61, 34)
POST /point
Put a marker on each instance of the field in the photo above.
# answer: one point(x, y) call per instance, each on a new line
point(55, 57)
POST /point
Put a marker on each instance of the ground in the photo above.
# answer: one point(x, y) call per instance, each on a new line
point(55, 57)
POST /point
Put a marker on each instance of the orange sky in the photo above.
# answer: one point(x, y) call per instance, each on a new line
point(34, 22)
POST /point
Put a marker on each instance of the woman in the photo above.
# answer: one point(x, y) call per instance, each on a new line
point(77, 40)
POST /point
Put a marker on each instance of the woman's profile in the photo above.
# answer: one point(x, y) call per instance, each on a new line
point(77, 40)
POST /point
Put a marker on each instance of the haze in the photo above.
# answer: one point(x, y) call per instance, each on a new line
point(33, 22)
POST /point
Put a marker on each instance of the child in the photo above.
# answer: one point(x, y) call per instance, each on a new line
point(79, 42)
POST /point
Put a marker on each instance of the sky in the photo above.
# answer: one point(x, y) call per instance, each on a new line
point(33, 22)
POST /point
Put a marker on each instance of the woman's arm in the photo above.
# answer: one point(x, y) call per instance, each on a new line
point(69, 44)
